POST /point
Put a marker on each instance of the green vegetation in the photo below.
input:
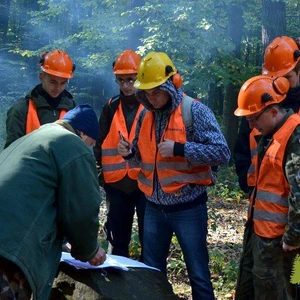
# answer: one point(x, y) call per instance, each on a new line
point(215, 45)
point(227, 187)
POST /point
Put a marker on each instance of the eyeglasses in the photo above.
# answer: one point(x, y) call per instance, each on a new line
point(255, 119)
point(122, 81)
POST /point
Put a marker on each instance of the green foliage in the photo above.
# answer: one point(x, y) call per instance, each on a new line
point(102, 241)
point(216, 261)
point(193, 33)
point(175, 263)
point(295, 276)
point(231, 271)
point(227, 187)
point(219, 264)
point(224, 272)
point(135, 246)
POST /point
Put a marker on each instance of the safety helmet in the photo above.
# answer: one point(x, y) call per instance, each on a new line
point(259, 92)
point(57, 63)
point(281, 56)
point(155, 69)
point(127, 63)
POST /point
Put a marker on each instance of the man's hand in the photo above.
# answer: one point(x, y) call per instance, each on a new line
point(124, 148)
point(286, 247)
point(99, 258)
point(166, 148)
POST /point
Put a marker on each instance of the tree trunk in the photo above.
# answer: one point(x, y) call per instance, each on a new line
point(215, 99)
point(25, 28)
point(4, 20)
point(136, 33)
point(273, 21)
point(235, 31)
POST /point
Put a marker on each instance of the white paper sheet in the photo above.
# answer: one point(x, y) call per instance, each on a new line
point(114, 261)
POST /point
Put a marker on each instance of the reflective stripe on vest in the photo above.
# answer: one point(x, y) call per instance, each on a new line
point(32, 120)
point(173, 172)
point(114, 166)
point(271, 201)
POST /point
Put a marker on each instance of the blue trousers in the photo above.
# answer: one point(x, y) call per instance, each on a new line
point(190, 228)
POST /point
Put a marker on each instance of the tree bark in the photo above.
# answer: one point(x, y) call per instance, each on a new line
point(4, 20)
point(273, 20)
point(137, 31)
point(235, 31)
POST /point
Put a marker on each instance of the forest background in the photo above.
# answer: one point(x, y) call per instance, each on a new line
point(216, 46)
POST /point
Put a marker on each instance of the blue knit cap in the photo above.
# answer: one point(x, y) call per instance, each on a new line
point(83, 118)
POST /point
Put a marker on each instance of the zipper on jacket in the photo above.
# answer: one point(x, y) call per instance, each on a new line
point(54, 112)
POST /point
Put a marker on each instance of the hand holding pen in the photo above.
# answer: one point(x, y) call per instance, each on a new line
point(123, 146)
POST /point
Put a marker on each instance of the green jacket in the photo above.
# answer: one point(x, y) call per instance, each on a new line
point(49, 190)
point(17, 114)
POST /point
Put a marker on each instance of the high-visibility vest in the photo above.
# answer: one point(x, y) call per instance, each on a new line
point(272, 189)
point(253, 150)
point(32, 121)
point(173, 172)
point(114, 166)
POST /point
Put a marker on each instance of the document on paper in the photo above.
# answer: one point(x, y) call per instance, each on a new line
point(112, 261)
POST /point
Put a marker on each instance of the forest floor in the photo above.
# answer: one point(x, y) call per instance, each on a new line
point(225, 237)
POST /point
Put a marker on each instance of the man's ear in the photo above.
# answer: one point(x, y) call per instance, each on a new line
point(81, 134)
point(41, 76)
point(274, 110)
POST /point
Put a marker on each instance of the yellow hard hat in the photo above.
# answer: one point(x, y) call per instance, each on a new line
point(154, 70)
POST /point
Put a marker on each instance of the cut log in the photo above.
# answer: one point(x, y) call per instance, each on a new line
point(110, 283)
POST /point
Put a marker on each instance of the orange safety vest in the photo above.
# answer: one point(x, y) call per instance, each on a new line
point(114, 166)
point(32, 121)
point(272, 189)
point(253, 149)
point(173, 172)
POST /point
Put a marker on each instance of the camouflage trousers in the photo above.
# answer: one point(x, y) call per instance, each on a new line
point(13, 283)
point(245, 288)
point(265, 269)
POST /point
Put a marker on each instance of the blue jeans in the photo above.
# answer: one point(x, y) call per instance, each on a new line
point(190, 228)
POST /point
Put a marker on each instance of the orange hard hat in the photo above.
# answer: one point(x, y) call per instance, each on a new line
point(57, 63)
point(127, 63)
point(279, 57)
point(259, 92)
